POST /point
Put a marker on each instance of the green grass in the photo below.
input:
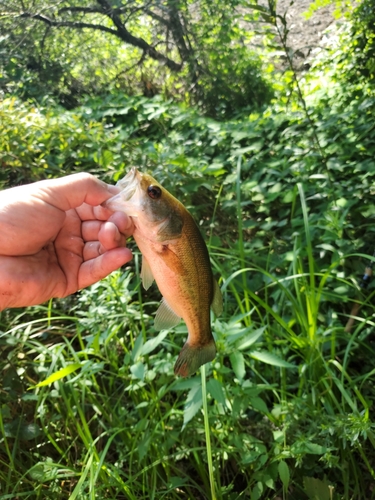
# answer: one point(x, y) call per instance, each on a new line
point(283, 412)
point(89, 404)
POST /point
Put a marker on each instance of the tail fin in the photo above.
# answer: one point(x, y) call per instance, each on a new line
point(192, 357)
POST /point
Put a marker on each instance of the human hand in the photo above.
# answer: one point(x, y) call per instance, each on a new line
point(55, 239)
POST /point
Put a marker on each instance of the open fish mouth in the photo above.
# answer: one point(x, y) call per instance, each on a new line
point(129, 184)
point(129, 198)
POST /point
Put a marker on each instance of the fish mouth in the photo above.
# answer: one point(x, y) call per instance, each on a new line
point(128, 199)
point(129, 183)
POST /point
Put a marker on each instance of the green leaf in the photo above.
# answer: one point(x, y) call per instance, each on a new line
point(238, 364)
point(59, 375)
point(19, 429)
point(257, 491)
point(144, 445)
point(137, 347)
point(29, 431)
point(258, 404)
point(193, 404)
point(284, 473)
point(187, 383)
point(152, 344)
point(215, 388)
point(306, 447)
point(250, 339)
point(138, 370)
point(176, 482)
point(37, 473)
point(316, 489)
point(270, 359)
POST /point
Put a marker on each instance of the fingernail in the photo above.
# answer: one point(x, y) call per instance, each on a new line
point(113, 189)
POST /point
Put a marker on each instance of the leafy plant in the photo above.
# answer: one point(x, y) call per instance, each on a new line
point(89, 403)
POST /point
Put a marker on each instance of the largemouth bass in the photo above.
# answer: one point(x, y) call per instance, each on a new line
point(175, 255)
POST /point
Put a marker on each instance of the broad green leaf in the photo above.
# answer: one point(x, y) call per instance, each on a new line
point(257, 491)
point(138, 370)
point(5, 410)
point(137, 347)
point(326, 246)
point(144, 445)
point(249, 340)
point(152, 344)
point(59, 375)
point(258, 404)
point(37, 473)
point(176, 482)
point(19, 429)
point(284, 473)
point(187, 383)
point(29, 431)
point(316, 489)
point(238, 364)
point(215, 388)
point(278, 436)
point(306, 447)
point(270, 359)
point(193, 404)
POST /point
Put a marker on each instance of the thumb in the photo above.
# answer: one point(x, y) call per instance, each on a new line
point(74, 190)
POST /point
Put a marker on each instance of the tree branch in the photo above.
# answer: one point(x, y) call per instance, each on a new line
point(120, 32)
point(158, 18)
point(138, 63)
point(85, 10)
point(127, 37)
point(89, 10)
point(69, 24)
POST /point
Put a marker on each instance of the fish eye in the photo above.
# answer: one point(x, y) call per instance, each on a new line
point(154, 192)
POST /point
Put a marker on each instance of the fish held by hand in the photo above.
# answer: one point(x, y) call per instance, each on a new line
point(175, 255)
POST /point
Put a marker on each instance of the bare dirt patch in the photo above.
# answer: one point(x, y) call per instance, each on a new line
point(305, 35)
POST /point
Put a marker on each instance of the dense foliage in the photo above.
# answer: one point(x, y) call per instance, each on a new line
point(196, 51)
point(284, 198)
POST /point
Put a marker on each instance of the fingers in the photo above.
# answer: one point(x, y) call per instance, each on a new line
point(87, 212)
point(108, 237)
point(96, 269)
point(100, 236)
point(91, 228)
point(92, 249)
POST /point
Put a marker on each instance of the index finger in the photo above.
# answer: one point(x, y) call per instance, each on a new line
point(88, 212)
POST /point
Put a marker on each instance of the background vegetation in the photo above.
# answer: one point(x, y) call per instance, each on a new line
point(277, 166)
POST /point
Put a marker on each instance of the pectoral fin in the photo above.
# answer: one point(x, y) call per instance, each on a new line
point(217, 301)
point(146, 274)
point(165, 317)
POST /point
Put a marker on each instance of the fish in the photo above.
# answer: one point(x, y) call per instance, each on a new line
point(175, 255)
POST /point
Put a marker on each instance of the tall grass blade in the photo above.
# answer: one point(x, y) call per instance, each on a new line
point(207, 433)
